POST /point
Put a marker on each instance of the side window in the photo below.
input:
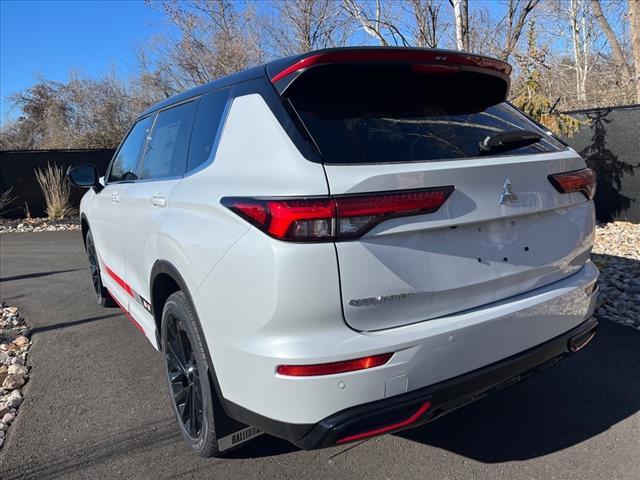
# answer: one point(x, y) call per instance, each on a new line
point(166, 152)
point(205, 129)
point(125, 165)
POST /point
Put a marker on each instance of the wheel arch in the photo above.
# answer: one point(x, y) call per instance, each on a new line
point(165, 280)
point(84, 227)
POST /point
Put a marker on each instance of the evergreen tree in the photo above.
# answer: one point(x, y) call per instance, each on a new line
point(531, 98)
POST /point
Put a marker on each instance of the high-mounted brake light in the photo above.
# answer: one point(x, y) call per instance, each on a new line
point(437, 57)
point(334, 218)
point(583, 180)
point(334, 367)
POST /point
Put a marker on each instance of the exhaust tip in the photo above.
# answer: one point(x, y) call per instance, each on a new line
point(579, 341)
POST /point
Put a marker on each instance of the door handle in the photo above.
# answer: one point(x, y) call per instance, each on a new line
point(115, 198)
point(158, 201)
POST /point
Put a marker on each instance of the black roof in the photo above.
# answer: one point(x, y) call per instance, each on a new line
point(242, 76)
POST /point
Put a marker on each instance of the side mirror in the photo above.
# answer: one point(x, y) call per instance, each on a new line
point(85, 176)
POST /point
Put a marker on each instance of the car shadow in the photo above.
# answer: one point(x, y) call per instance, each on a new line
point(581, 397)
point(72, 323)
point(263, 446)
point(38, 274)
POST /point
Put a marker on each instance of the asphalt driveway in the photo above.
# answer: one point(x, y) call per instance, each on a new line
point(96, 405)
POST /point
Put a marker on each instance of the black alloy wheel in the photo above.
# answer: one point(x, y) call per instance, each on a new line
point(184, 377)
point(102, 295)
point(187, 371)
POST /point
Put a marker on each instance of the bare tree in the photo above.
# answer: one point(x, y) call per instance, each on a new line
point(82, 113)
point(461, 13)
point(621, 63)
point(634, 23)
point(216, 38)
point(299, 26)
point(582, 36)
point(529, 93)
point(376, 21)
point(425, 22)
point(515, 19)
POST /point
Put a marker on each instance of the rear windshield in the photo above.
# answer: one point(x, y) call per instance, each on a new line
point(403, 114)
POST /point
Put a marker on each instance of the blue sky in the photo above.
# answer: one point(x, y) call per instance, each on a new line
point(53, 37)
point(50, 38)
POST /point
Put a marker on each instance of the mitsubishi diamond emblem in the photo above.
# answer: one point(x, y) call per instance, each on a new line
point(507, 194)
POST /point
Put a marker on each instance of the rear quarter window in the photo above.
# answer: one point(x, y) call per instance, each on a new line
point(166, 150)
point(206, 128)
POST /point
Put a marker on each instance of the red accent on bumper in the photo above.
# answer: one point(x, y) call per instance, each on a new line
point(379, 431)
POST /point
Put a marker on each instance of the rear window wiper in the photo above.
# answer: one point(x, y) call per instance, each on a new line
point(502, 142)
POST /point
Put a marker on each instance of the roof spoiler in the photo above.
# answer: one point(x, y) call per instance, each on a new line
point(283, 73)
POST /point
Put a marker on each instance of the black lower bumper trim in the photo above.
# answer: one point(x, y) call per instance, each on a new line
point(444, 397)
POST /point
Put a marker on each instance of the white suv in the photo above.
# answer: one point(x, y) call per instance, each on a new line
point(343, 243)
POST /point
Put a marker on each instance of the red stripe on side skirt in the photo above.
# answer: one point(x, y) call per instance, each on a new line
point(125, 286)
point(124, 310)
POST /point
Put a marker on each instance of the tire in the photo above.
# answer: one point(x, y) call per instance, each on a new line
point(102, 295)
point(186, 369)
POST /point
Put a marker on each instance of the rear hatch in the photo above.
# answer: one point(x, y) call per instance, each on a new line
point(418, 123)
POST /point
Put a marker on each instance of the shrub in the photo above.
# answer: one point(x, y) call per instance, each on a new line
point(56, 190)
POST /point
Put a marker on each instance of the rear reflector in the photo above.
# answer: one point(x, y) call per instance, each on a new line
point(405, 55)
point(583, 181)
point(335, 367)
point(389, 428)
point(591, 288)
point(334, 218)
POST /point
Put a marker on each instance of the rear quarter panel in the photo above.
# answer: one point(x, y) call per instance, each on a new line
point(255, 157)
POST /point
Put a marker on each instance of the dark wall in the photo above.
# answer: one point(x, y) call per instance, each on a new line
point(17, 170)
point(610, 143)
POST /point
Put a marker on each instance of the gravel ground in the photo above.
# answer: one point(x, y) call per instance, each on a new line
point(616, 252)
point(38, 225)
point(14, 345)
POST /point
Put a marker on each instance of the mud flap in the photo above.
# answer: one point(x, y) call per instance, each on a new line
point(230, 432)
point(238, 438)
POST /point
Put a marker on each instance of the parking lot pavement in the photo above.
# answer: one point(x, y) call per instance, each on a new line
point(96, 405)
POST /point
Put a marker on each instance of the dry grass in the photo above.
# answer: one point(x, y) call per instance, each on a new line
point(5, 200)
point(56, 190)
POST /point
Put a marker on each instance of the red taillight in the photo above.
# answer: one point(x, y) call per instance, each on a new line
point(334, 218)
point(394, 55)
point(576, 181)
point(334, 367)
point(310, 219)
point(358, 214)
point(297, 220)
point(389, 428)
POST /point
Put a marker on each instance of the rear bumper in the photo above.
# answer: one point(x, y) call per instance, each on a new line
point(425, 353)
point(423, 405)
